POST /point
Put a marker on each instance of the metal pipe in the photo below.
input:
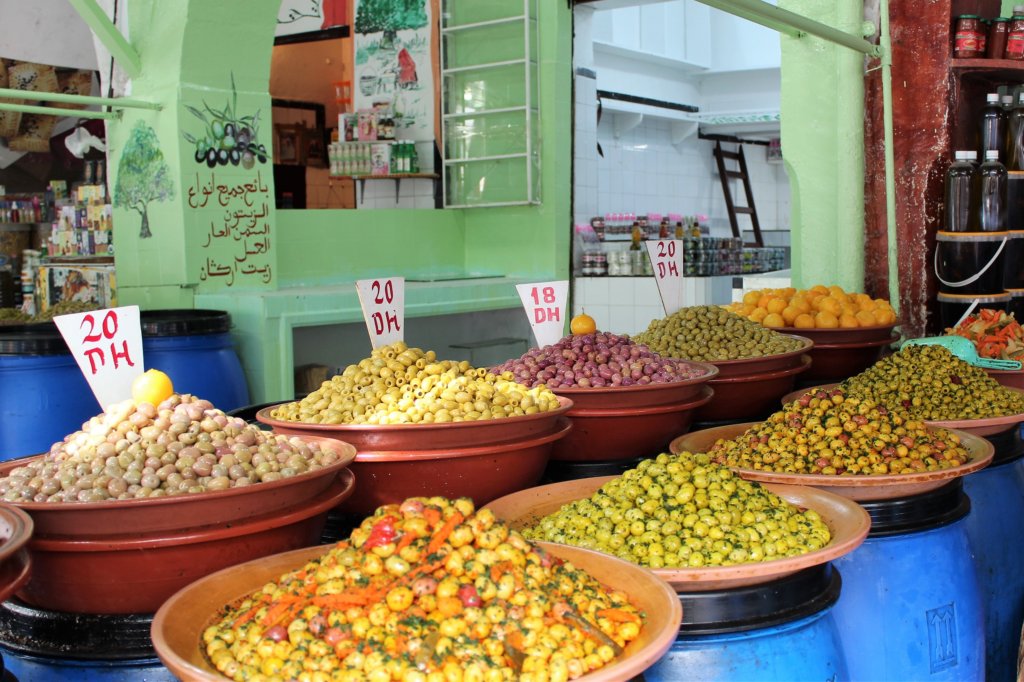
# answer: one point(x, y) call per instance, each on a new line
point(109, 34)
point(727, 6)
point(885, 43)
point(115, 102)
point(57, 111)
point(749, 9)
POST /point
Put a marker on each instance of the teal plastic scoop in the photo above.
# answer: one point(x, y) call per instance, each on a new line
point(965, 350)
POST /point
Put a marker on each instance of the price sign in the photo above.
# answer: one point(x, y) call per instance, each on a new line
point(107, 345)
point(667, 259)
point(545, 307)
point(383, 303)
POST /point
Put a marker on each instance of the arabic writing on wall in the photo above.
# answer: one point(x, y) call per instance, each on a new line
point(237, 244)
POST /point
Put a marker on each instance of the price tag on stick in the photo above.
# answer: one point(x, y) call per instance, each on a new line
point(107, 345)
point(545, 307)
point(667, 260)
point(383, 303)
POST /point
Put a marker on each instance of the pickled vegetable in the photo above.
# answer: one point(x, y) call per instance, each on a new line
point(402, 385)
point(930, 383)
point(594, 361)
point(183, 445)
point(429, 590)
point(833, 433)
point(712, 333)
point(685, 511)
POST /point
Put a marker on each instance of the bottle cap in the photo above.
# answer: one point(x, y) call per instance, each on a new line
point(961, 156)
point(992, 97)
point(991, 154)
point(1007, 99)
point(972, 155)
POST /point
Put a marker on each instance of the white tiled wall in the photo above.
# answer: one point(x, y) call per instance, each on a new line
point(413, 193)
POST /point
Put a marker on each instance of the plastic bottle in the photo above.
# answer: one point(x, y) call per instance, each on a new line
point(1015, 136)
point(960, 180)
point(989, 213)
point(992, 130)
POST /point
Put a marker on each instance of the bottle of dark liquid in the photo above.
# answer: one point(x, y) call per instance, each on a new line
point(992, 131)
point(1015, 136)
point(989, 214)
point(959, 183)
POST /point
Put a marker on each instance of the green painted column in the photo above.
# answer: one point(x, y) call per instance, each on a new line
point(823, 145)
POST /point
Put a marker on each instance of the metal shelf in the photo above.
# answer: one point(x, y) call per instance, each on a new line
point(495, 157)
point(482, 24)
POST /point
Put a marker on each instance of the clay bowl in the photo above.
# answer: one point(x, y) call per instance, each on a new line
point(1011, 378)
point(847, 521)
point(421, 437)
point(15, 564)
point(613, 432)
point(481, 472)
point(831, 361)
point(646, 395)
point(136, 572)
point(751, 395)
point(859, 488)
point(988, 426)
point(90, 520)
point(833, 337)
point(178, 625)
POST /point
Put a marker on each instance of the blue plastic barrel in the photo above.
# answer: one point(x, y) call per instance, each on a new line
point(43, 395)
point(911, 608)
point(782, 631)
point(995, 529)
point(49, 646)
point(195, 349)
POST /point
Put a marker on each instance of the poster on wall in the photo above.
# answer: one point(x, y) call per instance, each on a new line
point(393, 66)
point(309, 16)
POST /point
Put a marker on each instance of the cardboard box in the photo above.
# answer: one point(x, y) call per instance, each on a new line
point(87, 283)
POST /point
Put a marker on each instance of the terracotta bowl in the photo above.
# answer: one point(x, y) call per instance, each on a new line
point(137, 572)
point(420, 437)
point(647, 395)
point(831, 361)
point(178, 625)
point(841, 336)
point(614, 432)
point(1010, 378)
point(860, 488)
point(847, 521)
point(750, 395)
point(481, 472)
point(15, 564)
point(989, 426)
point(91, 520)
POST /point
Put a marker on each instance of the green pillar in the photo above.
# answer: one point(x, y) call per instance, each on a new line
point(823, 144)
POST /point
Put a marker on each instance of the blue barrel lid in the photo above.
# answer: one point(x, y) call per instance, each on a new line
point(32, 339)
point(184, 322)
point(82, 636)
point(916, 513)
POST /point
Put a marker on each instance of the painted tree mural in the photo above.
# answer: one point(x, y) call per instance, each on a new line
point(390, 16)
point(142, 175)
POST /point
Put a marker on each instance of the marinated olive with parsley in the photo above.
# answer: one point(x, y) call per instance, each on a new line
point(685, 511)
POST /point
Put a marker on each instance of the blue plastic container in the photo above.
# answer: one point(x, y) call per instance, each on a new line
point(911, 608)
point(49, 646)
point(43, 394)
point(778, 632)
point(195, 349)
point(995, 529)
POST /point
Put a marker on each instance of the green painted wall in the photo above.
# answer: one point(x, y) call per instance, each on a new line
point(823, 139)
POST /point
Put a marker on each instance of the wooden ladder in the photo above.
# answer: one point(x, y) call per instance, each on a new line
point(725, 175)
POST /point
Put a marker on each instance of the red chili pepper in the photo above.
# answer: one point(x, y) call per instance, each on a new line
point(382, 533)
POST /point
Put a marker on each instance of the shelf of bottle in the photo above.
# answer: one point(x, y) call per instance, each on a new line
point(997, 68)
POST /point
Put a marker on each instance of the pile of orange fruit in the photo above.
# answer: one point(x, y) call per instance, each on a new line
point(819, 307)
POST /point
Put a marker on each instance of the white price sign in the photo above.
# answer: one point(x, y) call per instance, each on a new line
point(383, 304)
point(545, 307)
point(107, 345)
point(667, 260)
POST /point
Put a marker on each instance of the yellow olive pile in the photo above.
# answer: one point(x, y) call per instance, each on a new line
point(829, 432)
point(930, 383)
point(711, 333)
point(402, 385)
point(426, 591)
point(685, 511)
point(183, 445)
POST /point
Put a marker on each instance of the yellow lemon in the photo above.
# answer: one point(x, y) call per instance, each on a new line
point(152, 386)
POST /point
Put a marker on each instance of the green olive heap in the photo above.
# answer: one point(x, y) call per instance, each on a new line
point(830, 432)
point(685, 511)
point(711, 333)
point(183, 445)
point(930, 383)
point(402, 385)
